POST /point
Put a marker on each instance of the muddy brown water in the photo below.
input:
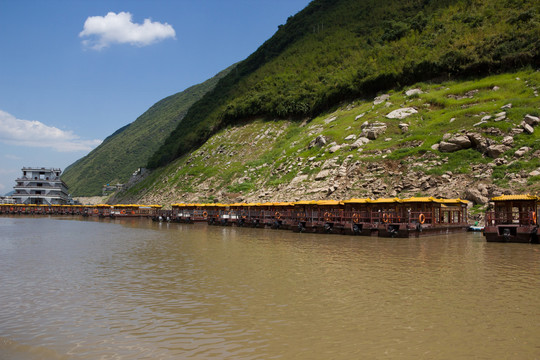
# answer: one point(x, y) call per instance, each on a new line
point(133, 289)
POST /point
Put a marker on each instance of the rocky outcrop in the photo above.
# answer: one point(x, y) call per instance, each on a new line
point(496, 150)
point(373, 130)
point(455, 143)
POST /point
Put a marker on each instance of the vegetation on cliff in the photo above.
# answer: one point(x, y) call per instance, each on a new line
point(331, 156)
point(340, 50)
point(130, 147)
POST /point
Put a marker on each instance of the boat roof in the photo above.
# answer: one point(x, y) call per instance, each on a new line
point(357, 201)
point(514, 197)
point(328, 202)
point(385, 200)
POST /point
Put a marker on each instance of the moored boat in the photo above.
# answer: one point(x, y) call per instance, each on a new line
point(513, 218)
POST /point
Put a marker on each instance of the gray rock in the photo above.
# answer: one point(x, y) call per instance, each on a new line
point(334, 148)
point(461, 140)
point(319, 141)
point(475, 196)
point(380, 99)
point(404, 127)
point(401, 113)
point(323, 174)
point(448, 147)
point(350, 137)
point(329, 120)
point(480, 123)
point(478, 141)
point(359, 116)
point(508, 141)
point(435, 147)
point(359, 142)
point(412, 92)
point(494, 151)
point(486, 118)
point(534, 173)
point(522, 151)
point(373, 130)
point(528, 128)
point(495, 88)
point(507, 106)
point(531, 120)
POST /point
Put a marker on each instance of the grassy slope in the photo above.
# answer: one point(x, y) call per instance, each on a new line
point(242, 160)
point(334, 51)
point(130, 147)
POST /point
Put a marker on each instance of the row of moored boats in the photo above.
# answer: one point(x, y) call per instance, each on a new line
point(513, 218)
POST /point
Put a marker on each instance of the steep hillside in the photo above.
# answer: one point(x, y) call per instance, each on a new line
point(339, 50)
point(130, 146)
point(471, 139)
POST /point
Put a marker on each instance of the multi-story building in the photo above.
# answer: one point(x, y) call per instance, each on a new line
point(40, 186)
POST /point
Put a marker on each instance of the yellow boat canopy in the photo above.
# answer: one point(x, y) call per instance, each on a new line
point(357, 201)
point(514, 197)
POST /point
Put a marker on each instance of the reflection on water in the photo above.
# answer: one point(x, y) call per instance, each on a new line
point(132, 289)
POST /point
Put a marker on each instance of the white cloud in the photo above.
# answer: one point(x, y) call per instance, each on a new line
point(119, 29)
point(14, 131)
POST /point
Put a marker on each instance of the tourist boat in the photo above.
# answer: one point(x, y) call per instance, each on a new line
point(513, 218)
point(133, 210)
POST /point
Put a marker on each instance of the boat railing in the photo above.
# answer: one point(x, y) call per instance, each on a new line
point(494, 218)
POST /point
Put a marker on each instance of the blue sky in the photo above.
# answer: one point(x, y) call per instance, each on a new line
point(72, 72)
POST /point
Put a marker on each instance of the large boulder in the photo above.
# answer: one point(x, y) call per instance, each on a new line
point(454, 143)
point(478, 141)
point(461, 140)
point(445, 146)
point(496, 150)
point(401, 113)
point(475, 196)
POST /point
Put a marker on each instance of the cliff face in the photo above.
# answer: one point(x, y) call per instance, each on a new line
point(468, 139)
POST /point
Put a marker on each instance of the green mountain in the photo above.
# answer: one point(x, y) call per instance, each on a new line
point(130, 147)
point(335, 51)
point(473, 139)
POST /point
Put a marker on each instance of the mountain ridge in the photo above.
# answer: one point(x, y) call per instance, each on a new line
point(129, 147)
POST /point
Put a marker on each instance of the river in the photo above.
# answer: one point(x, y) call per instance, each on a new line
point(134, 289)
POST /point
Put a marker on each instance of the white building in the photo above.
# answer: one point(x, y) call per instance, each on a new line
point(40, 186)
